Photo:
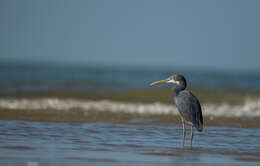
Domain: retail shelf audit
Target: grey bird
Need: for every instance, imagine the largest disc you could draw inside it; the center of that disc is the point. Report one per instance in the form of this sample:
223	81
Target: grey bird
187	104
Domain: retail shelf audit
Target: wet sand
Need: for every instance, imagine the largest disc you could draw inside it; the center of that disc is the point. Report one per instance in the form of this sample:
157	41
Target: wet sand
78	116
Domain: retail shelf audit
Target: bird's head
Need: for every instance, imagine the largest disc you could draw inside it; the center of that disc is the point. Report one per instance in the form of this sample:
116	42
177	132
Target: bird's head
175	79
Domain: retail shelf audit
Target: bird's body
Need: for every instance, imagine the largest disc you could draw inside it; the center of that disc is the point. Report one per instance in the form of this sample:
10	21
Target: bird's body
187	104
189	108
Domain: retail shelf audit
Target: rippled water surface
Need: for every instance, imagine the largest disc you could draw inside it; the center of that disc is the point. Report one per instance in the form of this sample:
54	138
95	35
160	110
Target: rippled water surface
42	143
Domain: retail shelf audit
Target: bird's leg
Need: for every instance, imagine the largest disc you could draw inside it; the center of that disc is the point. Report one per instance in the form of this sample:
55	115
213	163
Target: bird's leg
183	133
191	136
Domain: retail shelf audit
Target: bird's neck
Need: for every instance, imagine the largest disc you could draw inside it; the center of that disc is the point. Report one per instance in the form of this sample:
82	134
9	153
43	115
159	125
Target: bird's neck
177	89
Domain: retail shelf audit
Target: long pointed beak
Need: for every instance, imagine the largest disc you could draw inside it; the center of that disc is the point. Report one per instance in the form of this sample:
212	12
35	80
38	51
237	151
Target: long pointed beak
158	82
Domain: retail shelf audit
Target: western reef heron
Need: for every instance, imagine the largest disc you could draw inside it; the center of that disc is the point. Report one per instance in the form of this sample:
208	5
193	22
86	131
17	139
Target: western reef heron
187	104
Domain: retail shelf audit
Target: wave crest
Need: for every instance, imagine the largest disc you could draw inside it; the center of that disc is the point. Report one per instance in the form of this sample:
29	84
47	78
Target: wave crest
249	108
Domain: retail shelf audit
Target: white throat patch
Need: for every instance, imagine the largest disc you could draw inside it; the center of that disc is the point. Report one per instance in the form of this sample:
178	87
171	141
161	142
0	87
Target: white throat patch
173	81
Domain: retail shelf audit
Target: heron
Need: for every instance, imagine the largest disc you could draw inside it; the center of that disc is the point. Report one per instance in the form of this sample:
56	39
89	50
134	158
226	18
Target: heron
187	104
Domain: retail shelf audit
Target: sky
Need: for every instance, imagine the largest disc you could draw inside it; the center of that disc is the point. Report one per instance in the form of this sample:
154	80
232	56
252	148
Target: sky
221	34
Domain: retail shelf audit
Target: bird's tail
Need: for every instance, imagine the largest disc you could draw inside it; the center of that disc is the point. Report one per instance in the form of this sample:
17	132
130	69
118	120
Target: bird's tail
199	127
199	122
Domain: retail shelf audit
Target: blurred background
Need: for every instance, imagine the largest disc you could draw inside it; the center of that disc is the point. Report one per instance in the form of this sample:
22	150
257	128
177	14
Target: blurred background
102	46
89	65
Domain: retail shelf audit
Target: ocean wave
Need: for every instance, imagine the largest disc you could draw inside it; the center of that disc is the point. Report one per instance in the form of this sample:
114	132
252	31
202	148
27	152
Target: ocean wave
249	108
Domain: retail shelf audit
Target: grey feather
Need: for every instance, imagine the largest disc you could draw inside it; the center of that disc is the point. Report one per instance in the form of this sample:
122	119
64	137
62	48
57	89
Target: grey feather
189	108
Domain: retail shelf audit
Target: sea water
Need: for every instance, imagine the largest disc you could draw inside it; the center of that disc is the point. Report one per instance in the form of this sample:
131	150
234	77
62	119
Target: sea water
18	77
53	130
41	143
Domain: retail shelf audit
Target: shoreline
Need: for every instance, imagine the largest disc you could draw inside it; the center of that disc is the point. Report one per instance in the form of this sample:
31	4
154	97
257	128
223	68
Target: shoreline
78	117
146	96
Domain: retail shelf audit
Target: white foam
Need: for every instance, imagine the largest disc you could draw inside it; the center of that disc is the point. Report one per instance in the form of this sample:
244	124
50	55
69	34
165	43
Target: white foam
250	107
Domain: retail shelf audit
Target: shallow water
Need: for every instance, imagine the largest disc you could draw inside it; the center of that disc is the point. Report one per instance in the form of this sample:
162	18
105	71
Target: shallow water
41	143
